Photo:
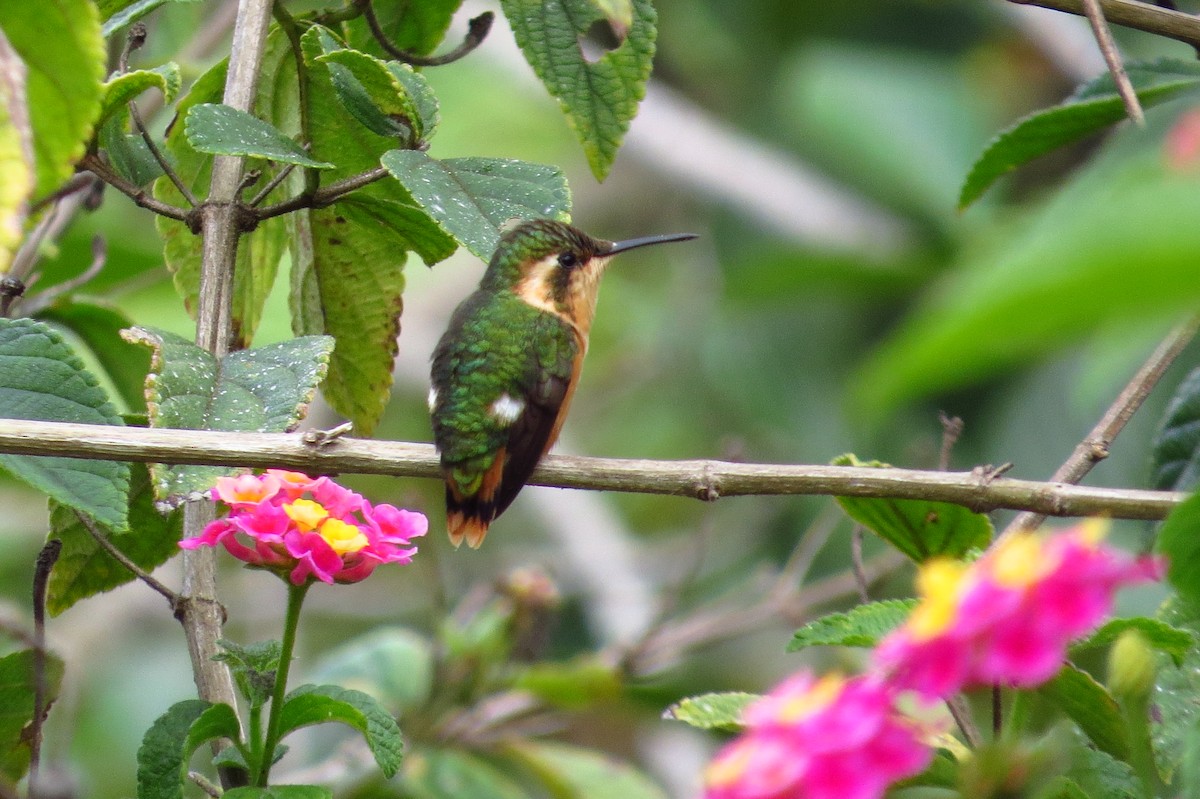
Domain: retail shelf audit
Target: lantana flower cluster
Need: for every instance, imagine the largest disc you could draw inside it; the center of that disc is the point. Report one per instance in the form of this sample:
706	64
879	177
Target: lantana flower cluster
308	528
831	738
1005	619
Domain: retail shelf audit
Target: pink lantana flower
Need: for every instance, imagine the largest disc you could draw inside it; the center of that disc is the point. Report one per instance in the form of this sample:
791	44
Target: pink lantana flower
831	738
308	528
1008	617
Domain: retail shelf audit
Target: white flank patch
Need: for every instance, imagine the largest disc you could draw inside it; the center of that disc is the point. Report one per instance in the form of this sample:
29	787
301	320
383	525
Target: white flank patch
432	400
506	410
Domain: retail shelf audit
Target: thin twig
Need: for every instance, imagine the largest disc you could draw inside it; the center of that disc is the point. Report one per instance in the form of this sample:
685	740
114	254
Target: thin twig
952	428
48	297
272	184
477	31
671	641
78	182
41	577
699	479
134	41
322	196
1095	446
161	159
138	194
120	557
856	563
1133	14
13	629
960	711
1112	57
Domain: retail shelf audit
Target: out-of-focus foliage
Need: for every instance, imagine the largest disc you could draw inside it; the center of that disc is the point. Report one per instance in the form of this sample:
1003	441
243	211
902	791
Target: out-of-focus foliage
1022	314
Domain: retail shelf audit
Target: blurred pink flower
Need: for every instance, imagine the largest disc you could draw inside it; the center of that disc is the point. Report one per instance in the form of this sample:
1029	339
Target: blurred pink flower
309	528
831	738
1008	617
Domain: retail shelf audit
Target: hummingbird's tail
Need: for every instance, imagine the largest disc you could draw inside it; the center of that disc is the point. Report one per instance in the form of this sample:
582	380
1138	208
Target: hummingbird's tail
462	527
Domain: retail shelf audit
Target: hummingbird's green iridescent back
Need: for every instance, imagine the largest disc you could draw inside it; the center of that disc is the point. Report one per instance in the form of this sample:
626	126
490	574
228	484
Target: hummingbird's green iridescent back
507	348
505	370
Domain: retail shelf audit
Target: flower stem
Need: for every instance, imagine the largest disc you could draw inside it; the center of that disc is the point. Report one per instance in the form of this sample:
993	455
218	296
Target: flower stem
291	622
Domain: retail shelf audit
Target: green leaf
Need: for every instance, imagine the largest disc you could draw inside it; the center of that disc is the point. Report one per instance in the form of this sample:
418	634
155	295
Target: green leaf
16	153
1061	787
1176	452
121	89
280	792
721	711
18	685
415	26
373	94
585	774
347	260
1052	278
127	152
471	198
1094	107
1089	705
423	98
578	683
259	251
98	326
42	379
393	664
119	13
599	97
264	390
919	528
221	130
864	625
63	89
317	704
1173	641
1175	710
1179	540
1102	776
85	569
455	774
172	739
253	666
347	281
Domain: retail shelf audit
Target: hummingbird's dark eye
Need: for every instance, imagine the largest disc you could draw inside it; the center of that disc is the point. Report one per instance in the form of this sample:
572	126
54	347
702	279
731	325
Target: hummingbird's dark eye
568	259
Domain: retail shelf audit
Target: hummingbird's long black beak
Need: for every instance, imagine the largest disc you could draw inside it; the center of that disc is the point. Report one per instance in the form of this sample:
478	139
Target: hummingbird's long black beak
631	244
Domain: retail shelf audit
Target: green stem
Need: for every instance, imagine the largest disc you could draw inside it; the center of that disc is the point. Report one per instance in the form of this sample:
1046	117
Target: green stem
1017	718
290	29
255	739
291	622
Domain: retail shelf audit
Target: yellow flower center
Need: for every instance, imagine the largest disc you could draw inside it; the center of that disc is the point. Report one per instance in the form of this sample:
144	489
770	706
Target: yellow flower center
939	582
729	768
1018	561
1093	531
344	538
817	698
307	514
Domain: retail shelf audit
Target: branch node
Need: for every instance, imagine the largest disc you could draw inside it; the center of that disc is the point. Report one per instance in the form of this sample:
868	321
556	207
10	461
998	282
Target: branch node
182	603
1098	449
323	438
707	488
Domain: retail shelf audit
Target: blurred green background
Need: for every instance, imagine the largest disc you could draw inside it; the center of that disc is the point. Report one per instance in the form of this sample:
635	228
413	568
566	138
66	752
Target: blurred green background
835	302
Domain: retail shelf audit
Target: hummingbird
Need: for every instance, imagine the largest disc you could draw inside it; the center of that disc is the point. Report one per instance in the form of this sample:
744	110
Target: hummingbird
507	366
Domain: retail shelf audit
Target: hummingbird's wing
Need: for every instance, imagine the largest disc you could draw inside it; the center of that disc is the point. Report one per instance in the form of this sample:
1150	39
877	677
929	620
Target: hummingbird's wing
550	381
